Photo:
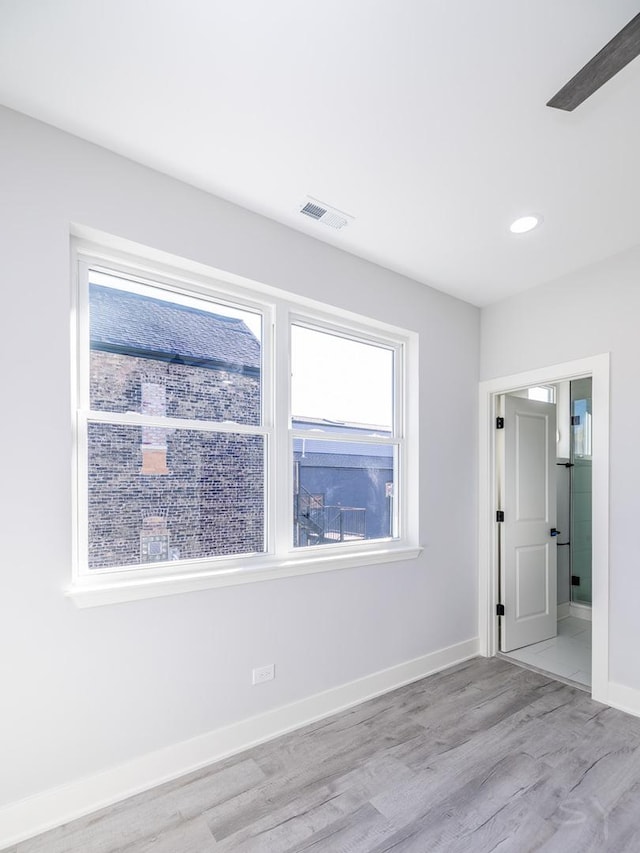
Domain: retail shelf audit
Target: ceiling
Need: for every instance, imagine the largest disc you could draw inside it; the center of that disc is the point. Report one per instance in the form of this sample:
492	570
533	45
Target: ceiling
423	119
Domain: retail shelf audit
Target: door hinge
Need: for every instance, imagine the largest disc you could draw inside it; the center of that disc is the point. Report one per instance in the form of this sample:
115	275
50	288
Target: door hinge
500	515
575	420
499	609
499	423
575	580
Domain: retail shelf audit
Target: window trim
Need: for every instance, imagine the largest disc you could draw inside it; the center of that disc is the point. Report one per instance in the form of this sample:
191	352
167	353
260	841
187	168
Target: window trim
90	587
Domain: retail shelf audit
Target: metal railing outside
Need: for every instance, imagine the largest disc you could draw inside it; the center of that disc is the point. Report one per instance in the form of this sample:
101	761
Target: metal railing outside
333	523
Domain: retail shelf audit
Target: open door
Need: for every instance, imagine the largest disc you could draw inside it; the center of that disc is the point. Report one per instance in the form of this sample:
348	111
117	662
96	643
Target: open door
528	557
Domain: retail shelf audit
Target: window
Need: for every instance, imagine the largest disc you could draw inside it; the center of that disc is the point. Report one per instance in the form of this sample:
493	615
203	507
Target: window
157	357
345	448
226	434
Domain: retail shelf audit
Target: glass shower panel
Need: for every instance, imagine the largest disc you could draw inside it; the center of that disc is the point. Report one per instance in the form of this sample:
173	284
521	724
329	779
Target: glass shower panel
581	491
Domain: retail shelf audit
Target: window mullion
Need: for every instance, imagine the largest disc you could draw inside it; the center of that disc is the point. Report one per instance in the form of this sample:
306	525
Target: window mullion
283	489
269	420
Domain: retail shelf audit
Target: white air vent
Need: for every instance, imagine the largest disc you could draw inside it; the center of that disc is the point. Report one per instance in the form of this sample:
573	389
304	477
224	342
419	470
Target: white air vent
323	213
313	210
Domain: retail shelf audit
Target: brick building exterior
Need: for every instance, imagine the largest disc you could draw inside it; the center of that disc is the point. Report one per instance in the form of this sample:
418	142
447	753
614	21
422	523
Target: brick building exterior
160	494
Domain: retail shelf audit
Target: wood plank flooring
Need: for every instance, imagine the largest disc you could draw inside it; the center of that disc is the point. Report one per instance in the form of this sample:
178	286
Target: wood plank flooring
483	757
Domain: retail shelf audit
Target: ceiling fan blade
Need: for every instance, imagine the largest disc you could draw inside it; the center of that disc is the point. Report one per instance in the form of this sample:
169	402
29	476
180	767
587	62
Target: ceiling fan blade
612	58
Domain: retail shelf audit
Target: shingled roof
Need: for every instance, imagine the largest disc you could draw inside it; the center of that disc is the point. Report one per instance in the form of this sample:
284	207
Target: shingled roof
139	325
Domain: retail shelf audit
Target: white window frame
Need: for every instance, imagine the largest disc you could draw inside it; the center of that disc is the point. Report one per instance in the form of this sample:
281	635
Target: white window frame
280	310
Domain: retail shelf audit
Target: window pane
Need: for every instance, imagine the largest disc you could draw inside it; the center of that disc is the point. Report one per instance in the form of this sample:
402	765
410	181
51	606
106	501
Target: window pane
543	393
158	494
159	354
337	380
581	418
344	491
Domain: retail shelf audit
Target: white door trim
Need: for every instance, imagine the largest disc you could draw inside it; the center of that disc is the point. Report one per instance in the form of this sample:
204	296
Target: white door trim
597	367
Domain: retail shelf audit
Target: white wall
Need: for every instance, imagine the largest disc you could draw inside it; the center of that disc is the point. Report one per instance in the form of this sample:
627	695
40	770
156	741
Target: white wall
589	312
83	690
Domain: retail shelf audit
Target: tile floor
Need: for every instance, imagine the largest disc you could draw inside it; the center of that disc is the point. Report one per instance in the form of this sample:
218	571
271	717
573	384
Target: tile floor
567	655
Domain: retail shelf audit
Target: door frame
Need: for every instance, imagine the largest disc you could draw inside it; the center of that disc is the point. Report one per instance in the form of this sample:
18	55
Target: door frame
597	367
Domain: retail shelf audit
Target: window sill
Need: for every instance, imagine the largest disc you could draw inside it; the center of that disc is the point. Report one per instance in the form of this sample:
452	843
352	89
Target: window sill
98	591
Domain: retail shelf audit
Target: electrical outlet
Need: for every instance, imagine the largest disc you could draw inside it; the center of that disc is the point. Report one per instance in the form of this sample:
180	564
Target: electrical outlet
263	673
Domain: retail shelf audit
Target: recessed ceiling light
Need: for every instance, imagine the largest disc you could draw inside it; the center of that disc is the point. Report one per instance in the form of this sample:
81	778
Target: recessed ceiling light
524	224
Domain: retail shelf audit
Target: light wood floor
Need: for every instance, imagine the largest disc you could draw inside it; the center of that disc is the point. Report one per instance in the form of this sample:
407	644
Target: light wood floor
483	757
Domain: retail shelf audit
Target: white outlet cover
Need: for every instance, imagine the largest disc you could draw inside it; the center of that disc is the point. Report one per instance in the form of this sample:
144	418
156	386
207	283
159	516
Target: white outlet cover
263	673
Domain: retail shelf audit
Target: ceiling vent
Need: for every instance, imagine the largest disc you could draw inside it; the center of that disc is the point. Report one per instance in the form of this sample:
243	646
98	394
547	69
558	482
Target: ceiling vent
321	212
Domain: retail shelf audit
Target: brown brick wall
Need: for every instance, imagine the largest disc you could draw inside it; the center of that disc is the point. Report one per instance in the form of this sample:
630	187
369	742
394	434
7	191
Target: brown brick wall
208	487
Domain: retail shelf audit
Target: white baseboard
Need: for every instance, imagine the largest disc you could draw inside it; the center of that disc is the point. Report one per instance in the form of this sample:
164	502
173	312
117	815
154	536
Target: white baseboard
624	698
29	817
570	608
580	611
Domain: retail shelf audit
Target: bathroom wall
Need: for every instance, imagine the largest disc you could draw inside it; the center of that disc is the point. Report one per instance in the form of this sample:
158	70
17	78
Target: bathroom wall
581	493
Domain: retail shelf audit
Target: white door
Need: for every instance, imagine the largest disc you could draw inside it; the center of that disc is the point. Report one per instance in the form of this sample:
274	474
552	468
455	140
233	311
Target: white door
528	540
